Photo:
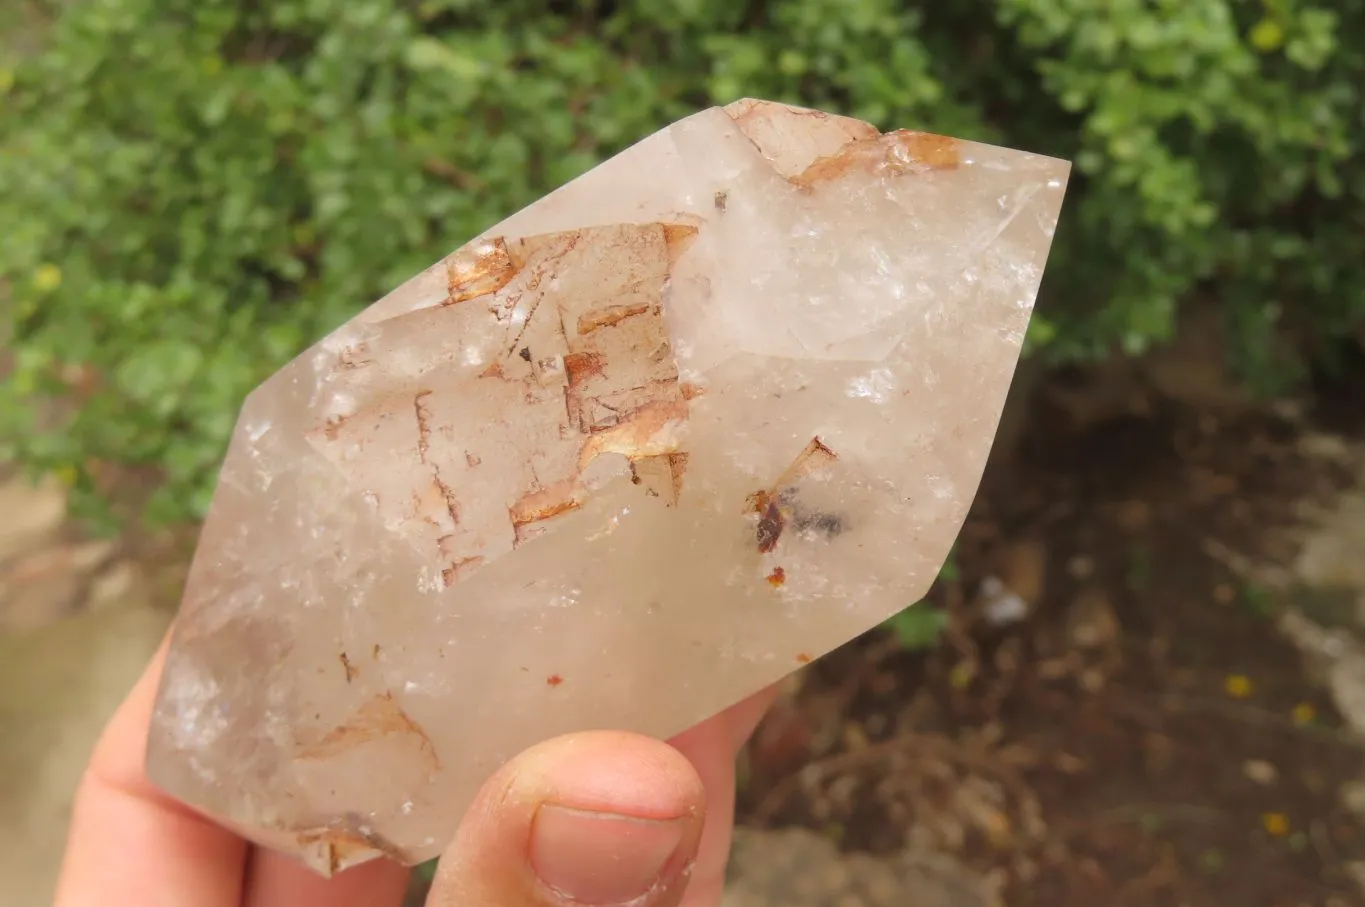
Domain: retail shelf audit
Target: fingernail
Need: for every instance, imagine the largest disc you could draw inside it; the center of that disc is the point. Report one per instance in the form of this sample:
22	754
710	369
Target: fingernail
597	858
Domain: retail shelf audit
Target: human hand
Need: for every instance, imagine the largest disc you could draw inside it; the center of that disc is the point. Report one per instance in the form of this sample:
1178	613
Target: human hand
599	818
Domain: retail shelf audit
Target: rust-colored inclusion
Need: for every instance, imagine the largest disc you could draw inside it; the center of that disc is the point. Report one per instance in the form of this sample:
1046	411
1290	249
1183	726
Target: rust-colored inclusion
621	365
342	849
661	476
484	269
774	505
791	138
586	368
378	717
895	153
543	504
621	389
347	843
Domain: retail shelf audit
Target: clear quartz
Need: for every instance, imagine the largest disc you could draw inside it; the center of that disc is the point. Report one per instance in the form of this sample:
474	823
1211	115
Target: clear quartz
648	445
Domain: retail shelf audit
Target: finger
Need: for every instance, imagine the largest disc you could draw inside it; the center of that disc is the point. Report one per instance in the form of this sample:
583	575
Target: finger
710	747
599	818
274	880
131	844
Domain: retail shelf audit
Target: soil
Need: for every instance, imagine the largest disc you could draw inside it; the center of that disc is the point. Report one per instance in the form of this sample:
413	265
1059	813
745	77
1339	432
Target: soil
1144	734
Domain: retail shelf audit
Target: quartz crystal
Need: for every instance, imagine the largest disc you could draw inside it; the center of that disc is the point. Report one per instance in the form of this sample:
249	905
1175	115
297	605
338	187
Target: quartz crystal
677	428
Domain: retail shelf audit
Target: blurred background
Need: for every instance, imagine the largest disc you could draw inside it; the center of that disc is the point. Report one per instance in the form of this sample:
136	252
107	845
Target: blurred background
1141	677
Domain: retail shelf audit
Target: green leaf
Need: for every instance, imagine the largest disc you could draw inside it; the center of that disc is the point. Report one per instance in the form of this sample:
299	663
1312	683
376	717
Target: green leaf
918	627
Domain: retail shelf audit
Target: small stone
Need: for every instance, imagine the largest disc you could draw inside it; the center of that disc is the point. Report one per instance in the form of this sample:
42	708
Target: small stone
89	555
1259	771
1324	447
1000	604
581	447
113	585
1091	620
1080	567
1353	796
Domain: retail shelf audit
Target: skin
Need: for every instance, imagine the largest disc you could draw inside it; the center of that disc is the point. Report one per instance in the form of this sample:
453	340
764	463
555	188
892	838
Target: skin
581	819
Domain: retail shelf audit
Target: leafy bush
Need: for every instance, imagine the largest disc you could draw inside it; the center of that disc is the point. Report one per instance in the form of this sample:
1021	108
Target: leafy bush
191	190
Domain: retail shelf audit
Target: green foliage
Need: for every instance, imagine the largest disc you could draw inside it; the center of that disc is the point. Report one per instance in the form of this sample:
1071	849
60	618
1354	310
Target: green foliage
426	871
192	190
918	627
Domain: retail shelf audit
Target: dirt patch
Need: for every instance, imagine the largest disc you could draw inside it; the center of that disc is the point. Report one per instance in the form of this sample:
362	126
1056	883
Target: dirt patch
1132	729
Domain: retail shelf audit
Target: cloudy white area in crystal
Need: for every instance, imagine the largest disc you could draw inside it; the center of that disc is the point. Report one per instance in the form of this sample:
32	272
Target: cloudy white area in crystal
681	426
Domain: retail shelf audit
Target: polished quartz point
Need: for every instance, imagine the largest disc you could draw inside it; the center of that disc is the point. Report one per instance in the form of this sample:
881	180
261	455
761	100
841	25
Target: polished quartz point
679	427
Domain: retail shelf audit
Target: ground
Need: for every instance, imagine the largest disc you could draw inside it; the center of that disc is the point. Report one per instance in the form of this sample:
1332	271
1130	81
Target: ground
1117	712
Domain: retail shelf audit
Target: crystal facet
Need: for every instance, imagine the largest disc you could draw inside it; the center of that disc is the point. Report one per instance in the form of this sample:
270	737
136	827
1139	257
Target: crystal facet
648	445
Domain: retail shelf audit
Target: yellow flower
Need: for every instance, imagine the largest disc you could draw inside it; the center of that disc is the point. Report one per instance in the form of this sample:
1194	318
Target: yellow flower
1304	713
962	675
1267	36
1238	686
47	278
1275	824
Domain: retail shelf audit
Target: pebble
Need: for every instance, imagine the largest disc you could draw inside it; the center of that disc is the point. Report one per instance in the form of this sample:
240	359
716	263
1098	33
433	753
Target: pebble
1353	796
113	585
1260	771
1091	620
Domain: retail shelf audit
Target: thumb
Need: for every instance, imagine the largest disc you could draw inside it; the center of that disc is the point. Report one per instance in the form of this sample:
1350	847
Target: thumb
601	818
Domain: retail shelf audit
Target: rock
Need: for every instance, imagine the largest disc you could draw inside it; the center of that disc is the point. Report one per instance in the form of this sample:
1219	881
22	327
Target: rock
1259	771
87	556
1080	567
1324	447
1353	796
1009	596
1331	567
113	585
1000	605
